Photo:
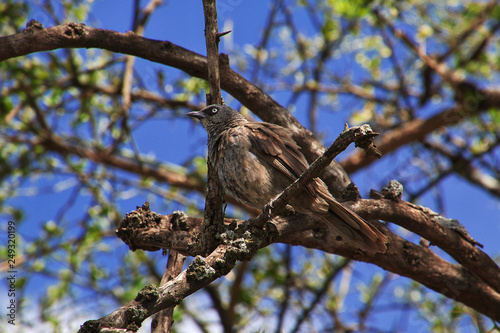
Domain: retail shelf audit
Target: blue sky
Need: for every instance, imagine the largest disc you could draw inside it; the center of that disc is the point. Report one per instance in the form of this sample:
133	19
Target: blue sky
182	23
474	208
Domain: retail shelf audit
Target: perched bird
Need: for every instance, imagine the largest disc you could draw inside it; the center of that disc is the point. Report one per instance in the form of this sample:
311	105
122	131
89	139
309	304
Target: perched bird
255	161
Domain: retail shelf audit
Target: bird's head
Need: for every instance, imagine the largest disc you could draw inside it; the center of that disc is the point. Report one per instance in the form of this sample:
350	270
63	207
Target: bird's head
216	118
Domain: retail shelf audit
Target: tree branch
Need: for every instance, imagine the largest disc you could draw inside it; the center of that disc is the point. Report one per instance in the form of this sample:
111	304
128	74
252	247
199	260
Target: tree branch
471	287
163	320
429	225
471	99
235	246
212	42
214	213
73	35
479	101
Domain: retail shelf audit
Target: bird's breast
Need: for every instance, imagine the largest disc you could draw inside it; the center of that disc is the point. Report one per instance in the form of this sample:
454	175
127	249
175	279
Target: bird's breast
242	174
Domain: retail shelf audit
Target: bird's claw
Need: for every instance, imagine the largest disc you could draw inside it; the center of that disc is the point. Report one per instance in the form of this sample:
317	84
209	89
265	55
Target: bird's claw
268	210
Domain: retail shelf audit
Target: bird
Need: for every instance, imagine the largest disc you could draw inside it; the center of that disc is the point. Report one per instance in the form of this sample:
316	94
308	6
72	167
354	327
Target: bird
256	161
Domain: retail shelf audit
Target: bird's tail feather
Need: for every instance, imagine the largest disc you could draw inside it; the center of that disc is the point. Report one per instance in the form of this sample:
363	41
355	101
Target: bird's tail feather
354	228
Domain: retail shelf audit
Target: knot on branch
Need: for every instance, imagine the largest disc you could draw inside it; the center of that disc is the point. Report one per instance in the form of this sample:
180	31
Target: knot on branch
392	191
179	221
363	138
224	62
32	26
350	193
75	30
136	221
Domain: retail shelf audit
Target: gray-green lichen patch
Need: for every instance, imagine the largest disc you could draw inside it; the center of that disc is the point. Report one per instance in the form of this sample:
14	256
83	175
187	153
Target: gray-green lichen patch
241	244
200	270
148	293
136	317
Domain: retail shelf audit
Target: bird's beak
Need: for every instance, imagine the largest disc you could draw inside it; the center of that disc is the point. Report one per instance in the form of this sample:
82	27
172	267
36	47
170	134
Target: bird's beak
197	114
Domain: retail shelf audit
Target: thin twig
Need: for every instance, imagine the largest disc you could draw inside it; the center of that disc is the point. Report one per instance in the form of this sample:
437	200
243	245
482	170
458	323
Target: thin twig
212	41
214	214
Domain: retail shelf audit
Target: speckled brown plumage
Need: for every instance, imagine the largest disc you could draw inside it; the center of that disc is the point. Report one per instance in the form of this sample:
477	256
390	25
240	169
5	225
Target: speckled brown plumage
255	161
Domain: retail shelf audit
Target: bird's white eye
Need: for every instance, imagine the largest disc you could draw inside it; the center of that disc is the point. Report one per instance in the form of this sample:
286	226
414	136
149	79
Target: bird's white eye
214	110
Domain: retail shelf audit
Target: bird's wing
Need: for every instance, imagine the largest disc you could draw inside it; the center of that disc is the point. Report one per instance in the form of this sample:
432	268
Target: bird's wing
274	145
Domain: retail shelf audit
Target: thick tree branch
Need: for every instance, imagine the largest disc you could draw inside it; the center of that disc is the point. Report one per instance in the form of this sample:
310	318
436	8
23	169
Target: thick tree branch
429	225
479	101
474	289
475	283
73	35
151	300
234	246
